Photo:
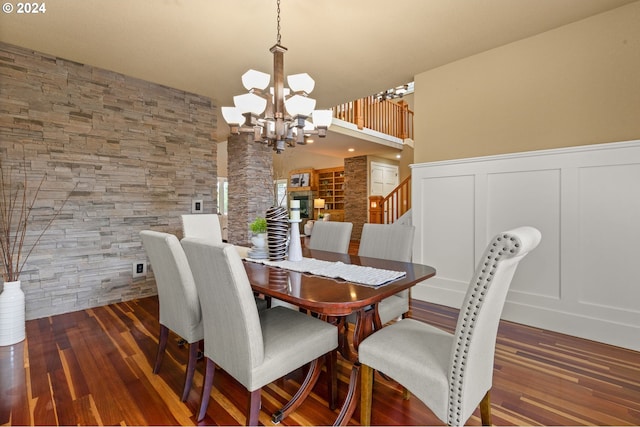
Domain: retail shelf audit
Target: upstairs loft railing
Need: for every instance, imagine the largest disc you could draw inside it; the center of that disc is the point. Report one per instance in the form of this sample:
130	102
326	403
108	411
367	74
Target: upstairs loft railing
386	210
391	118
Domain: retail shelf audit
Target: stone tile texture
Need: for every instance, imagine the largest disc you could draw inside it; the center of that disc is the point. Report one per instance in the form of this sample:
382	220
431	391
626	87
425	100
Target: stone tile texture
134	154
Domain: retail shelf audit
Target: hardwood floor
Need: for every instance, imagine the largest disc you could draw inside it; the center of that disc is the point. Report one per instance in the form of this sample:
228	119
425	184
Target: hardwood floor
93	367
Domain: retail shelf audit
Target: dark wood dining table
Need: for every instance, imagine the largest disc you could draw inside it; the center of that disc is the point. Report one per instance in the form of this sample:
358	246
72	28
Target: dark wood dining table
334	299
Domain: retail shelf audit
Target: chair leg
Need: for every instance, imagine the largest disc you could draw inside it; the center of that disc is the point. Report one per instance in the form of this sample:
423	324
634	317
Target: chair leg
366	394
332	377
191	369
485	410
206	388
253	412
162	345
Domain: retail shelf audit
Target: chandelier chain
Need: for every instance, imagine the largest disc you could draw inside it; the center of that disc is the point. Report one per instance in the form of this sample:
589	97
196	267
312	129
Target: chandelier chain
278	38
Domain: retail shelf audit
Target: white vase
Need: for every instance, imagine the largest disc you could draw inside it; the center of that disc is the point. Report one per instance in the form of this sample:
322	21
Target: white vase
12	320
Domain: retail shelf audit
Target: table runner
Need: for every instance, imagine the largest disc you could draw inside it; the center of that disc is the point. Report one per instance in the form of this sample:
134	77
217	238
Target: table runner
359	274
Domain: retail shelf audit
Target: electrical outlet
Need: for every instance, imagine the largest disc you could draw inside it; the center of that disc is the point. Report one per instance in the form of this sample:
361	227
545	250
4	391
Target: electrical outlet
139	269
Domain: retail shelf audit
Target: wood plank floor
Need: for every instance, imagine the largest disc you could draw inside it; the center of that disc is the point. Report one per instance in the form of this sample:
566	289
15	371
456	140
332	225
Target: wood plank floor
93	367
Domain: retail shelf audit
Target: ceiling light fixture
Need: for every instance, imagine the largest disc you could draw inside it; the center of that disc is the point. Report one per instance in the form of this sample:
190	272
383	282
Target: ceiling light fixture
396	92
278	117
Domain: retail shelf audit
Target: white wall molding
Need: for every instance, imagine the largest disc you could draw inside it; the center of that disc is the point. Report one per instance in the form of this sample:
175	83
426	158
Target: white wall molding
583	278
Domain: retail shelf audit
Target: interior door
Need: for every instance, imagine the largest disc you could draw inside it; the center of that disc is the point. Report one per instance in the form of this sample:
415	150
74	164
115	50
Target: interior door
384	178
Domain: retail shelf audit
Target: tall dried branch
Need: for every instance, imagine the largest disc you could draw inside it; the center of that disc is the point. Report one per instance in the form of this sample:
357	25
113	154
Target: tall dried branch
13	231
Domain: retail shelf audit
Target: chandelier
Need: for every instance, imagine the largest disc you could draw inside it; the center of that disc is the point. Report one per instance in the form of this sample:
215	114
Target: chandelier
280	116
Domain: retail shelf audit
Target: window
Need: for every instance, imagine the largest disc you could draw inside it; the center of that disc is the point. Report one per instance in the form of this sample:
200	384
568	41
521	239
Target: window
281	192
223	196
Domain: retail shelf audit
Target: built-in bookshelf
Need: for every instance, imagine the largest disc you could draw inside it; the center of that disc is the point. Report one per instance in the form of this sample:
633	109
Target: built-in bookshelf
331	189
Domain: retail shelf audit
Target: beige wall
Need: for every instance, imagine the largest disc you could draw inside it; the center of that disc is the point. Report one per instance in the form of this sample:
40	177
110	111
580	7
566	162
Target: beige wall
290	159
575	85
299	158
406	159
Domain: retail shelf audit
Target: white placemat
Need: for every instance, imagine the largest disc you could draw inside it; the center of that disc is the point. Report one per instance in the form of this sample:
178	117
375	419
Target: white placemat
360	274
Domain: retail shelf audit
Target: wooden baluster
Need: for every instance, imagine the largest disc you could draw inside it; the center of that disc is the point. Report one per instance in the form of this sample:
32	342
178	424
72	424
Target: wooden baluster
388	117
359	118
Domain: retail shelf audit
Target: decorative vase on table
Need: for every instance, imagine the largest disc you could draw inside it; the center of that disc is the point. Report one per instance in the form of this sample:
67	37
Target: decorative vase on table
295	250
12	317
277	232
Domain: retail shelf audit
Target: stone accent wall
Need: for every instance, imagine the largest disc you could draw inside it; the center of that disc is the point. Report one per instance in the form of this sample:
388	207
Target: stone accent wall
250	176
137	153
356	194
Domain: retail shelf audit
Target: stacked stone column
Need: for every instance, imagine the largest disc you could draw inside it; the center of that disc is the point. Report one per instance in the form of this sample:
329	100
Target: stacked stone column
250	176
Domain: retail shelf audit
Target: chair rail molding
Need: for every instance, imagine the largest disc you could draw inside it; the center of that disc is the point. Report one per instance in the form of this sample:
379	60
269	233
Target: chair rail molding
583	278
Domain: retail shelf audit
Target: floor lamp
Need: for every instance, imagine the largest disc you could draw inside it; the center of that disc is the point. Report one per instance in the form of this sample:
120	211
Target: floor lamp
318	204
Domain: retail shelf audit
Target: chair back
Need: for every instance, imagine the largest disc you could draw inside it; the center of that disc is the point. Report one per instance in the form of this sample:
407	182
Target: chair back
233	335
331	236
206	226
387	241
177	293
471	367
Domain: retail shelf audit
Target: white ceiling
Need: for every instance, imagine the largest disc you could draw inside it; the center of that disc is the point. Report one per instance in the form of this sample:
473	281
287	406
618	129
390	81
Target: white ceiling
352	48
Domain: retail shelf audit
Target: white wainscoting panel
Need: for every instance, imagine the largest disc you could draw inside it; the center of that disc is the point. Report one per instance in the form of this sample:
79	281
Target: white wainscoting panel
584	277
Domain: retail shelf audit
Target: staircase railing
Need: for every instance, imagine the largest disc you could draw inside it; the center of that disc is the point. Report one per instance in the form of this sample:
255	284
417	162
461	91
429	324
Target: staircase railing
386	210
391	118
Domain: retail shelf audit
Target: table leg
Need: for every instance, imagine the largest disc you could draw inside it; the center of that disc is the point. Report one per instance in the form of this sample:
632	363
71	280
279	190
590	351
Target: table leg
351	400
303	392
367	321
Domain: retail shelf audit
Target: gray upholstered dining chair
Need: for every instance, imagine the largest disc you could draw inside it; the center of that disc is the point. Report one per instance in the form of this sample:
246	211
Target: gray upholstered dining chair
202	225
178	298
450	373
253	347
207	226
393	242
331	236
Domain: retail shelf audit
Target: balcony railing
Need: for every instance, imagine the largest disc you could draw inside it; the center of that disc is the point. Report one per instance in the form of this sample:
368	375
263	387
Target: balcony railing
391	118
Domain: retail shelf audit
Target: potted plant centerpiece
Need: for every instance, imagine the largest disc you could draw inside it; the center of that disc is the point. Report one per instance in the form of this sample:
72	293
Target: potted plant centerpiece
259	229
17	202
